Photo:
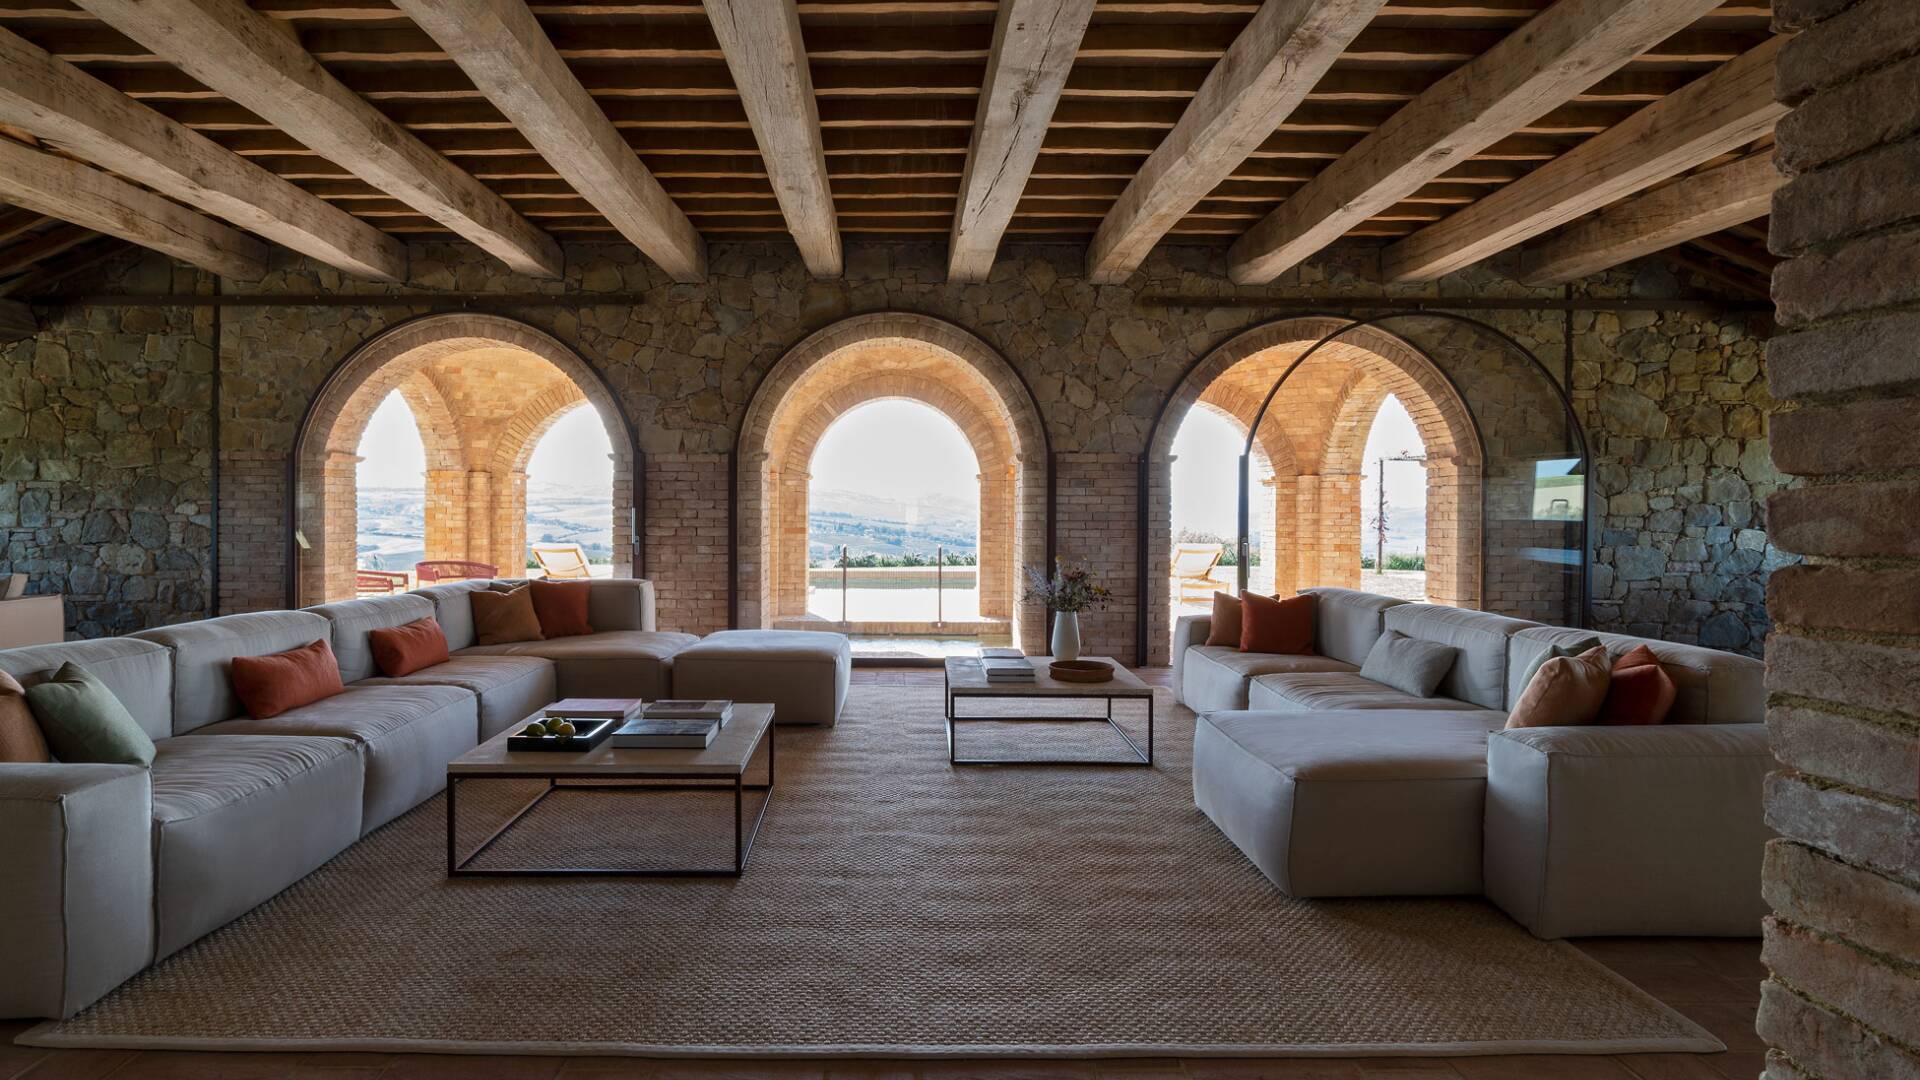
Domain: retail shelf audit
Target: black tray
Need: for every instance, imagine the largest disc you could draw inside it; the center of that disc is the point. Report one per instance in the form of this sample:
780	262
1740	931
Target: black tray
587	734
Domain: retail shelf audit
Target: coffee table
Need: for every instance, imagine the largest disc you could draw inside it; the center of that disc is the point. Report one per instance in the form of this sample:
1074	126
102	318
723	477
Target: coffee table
966	678
720	765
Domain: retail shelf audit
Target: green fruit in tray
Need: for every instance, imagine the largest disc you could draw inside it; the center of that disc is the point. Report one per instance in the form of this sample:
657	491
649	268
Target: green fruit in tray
534	730
563	728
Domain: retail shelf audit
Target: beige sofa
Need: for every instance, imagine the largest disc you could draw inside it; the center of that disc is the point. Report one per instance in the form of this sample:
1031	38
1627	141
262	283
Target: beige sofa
111	868
1333	785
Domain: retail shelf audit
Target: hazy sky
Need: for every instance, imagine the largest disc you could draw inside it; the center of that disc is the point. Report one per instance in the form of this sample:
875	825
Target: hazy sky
1206	475
573	452
899	448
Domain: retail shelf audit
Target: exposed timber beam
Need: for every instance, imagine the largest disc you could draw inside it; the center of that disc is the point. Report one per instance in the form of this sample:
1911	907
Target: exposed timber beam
1264	75
254	61
1034	42
64	106
40	247
1559	53
764	50
507	55
1697	206
68	190
1718	113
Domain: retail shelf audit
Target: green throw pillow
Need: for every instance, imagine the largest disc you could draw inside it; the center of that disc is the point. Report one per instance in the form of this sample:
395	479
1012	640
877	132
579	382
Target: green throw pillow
1556	651
85	723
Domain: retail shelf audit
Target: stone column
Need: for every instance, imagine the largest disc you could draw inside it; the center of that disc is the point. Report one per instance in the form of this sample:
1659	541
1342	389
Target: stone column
1843	664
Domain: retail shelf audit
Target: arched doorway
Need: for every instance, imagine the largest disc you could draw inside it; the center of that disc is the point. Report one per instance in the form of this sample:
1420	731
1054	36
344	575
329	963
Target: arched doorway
483	390
874	357
1312	438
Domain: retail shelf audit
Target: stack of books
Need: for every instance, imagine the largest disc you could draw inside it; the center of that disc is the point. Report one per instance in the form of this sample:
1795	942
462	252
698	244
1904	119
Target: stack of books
1006	665
575	708
674	724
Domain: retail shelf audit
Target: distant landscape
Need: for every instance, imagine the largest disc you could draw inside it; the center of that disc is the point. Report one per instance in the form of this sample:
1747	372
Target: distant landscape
393	523
889	526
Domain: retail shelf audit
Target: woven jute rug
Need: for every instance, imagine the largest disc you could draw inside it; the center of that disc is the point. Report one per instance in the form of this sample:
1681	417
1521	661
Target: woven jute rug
894	906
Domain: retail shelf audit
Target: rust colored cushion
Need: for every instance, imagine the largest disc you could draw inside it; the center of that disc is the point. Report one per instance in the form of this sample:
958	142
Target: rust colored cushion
1641	691
20	738
561	607
1225	629
503	617
1567	690
403	650
273	684
1271	625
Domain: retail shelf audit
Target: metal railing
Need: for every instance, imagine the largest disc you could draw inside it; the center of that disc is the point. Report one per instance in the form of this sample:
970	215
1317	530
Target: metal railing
939	585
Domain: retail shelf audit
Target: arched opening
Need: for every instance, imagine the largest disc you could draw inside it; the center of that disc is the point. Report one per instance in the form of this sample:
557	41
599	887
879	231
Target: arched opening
1393	505
890	357
390	490
570	487
893	519
1309	454
1205	510
483	390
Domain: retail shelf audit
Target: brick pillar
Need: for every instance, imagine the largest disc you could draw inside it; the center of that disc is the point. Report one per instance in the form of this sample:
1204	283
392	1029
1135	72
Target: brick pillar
996	543
479	536
1339	527
1843	664
446	514
510	520
338	558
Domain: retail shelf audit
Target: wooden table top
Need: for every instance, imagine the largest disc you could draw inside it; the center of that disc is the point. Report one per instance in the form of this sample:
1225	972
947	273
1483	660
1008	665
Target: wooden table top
965	676
726	756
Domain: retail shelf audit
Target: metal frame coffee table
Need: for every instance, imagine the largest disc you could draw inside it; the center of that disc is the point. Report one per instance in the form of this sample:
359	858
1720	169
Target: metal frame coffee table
720	766
966	678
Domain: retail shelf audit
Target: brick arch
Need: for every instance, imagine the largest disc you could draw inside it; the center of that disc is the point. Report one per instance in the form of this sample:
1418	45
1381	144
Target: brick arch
1315	434
874	357
455	372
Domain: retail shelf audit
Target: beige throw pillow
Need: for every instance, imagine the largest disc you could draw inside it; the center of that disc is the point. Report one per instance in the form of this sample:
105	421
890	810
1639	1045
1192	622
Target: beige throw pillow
1567	690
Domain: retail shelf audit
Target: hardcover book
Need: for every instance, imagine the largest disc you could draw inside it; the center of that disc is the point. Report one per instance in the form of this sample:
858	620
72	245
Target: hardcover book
665	734
595	708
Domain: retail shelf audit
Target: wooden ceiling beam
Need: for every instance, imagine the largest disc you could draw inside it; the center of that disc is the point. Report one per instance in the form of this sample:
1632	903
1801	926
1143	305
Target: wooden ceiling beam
92	199
1525	75
62	105
1034	43
379	10
43	246
46	275
504	51
1688	209
1264	76
18	222
1739	252
768	57
1753	286
1721	112
252	60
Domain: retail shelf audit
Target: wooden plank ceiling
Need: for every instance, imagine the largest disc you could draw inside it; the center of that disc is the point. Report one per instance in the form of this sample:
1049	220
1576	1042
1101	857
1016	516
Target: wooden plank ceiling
896	85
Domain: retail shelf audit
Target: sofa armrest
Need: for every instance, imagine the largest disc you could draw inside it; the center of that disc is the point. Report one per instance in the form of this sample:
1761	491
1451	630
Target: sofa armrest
76	917
1628	830
621	604
1188	631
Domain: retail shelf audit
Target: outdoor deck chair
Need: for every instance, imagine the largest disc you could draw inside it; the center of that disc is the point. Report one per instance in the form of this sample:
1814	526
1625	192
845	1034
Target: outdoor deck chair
379	582
1193	568
561	562
452	570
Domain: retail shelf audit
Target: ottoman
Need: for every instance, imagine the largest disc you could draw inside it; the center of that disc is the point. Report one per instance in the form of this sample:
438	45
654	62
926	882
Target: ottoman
1363	802
803	673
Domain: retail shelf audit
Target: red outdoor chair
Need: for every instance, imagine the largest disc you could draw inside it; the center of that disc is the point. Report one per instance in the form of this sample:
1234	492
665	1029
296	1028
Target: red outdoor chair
379	582
452	570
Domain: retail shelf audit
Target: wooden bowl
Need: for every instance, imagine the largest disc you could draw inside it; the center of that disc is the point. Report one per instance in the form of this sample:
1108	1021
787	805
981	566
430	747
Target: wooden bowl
1087	671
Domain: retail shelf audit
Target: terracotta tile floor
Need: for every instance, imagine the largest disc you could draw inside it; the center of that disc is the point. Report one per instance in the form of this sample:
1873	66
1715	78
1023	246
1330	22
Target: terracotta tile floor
1715	982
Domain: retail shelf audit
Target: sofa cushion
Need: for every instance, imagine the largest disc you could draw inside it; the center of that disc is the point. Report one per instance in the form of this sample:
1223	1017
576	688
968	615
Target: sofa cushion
84	723
803	674
1710	686
504	616
1299	795
1566	691
353	622
1640	693
1479	674
1272	625
620	604
403	650
20	736
270	685
561	607
1322	691
453	609
407	735
1408	665
1346	622
606	663
509	688
1216	676
1225	627
140	674
203	652
236	819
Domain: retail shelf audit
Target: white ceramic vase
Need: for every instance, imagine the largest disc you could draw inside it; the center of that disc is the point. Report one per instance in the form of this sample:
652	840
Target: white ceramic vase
1066	635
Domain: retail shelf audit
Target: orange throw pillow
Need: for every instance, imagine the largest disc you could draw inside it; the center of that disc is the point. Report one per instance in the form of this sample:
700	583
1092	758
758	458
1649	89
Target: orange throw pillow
1271	625
500	618
1567	690
561	607
1226	621
273	684
20	738
1641	692
403	650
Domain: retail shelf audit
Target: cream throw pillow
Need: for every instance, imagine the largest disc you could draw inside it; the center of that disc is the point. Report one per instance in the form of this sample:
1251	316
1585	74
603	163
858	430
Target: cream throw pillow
1567	690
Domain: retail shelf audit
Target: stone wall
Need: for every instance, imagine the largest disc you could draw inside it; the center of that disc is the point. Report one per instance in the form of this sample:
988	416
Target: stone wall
684	361
1843	947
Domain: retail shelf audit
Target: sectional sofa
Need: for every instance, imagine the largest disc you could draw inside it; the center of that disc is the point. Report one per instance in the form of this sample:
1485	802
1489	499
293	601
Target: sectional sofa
110	868
1335	785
